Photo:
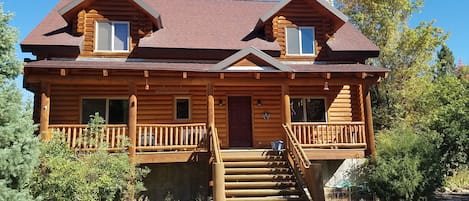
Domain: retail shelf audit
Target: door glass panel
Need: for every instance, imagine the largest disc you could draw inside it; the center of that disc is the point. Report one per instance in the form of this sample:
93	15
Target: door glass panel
296	109
118	112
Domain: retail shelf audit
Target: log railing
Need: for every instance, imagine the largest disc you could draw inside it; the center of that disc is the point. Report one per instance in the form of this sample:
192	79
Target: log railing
77	136
298	159
156	137
218	170
330	135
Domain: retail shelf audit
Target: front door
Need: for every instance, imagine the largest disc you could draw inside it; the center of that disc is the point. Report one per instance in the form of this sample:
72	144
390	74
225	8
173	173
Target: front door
240	121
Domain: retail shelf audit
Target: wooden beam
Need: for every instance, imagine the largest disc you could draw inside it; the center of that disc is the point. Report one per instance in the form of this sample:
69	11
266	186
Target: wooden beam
334	154
370	133
361	75
132	121
63	72
222	76
286	112
326	75
105	73
146	73
291	76
184	75
210	106
258	76
45	111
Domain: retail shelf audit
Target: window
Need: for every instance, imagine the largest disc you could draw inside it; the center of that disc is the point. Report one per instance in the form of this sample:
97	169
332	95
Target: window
182	107
300	40
308	110
114	111
112	36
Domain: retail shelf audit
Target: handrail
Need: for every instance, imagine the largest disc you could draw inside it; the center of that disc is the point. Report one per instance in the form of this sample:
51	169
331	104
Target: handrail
218	169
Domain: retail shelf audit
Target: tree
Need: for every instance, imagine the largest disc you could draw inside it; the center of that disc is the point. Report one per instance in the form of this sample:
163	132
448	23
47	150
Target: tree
445	63
67	174
18	145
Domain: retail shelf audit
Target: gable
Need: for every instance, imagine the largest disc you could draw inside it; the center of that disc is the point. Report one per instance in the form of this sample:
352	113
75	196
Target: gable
250	59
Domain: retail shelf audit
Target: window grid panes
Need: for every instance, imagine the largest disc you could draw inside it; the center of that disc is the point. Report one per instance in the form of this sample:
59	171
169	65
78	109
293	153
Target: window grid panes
300	41
308	110
112	36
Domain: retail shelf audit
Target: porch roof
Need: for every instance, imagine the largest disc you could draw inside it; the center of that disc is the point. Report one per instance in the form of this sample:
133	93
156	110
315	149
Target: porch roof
197	67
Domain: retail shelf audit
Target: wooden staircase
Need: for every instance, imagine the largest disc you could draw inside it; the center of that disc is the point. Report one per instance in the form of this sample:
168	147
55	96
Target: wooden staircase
260	175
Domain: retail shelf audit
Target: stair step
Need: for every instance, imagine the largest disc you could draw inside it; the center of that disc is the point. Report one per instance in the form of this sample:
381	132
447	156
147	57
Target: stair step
260	192
256	164
256	170
260	184
257	177
233	158
264	199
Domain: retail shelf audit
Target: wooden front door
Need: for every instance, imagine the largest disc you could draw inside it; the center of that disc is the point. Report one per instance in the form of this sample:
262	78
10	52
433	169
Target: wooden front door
240	121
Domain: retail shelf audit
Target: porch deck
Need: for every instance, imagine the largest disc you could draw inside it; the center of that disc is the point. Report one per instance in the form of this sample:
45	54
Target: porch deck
165	143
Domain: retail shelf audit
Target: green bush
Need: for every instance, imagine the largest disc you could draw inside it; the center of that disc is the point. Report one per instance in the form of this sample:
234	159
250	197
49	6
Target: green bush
67	174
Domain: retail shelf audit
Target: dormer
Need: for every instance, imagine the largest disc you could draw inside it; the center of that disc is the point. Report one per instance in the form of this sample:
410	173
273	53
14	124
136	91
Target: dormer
305	28
110	28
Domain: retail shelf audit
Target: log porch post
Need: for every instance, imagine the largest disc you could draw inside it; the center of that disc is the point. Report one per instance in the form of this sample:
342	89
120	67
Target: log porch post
286	105
132	121
45	111
210	107
370	133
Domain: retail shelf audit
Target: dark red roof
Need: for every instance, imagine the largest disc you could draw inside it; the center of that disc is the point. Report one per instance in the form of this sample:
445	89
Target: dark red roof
196	67
348	38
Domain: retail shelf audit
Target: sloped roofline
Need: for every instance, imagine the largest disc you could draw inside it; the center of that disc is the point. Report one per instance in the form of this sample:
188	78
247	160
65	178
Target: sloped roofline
222	65
156	16
284	3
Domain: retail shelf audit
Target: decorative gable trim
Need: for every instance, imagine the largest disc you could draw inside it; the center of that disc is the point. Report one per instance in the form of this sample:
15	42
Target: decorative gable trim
226	63
156	18
284	3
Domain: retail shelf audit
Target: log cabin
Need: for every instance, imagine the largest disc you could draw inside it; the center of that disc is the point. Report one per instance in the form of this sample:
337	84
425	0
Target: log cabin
203	89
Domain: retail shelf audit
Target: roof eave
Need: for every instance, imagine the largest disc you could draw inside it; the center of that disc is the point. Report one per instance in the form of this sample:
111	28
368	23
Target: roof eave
284	3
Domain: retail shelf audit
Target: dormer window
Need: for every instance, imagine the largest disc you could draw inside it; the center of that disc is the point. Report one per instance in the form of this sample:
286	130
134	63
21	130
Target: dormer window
300	41
112	36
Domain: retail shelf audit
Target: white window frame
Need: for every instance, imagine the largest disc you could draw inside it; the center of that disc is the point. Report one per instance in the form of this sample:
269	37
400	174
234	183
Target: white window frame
96	37
106	116
300	40
304	107
189	107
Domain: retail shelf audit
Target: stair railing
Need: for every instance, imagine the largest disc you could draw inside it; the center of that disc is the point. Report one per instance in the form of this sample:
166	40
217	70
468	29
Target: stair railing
218	167
306	175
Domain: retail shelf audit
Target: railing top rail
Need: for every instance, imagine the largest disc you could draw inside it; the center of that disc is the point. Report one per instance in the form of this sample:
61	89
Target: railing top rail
328	123
85	125
216	145
172	125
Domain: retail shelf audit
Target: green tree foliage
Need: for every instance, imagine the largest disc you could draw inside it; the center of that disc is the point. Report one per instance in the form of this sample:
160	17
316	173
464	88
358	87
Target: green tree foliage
67	174
445	63
18	146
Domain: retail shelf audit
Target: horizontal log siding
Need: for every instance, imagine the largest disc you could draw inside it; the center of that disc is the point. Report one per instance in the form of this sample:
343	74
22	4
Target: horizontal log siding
299	13
115	10
342	101
264	131
154	106
157	104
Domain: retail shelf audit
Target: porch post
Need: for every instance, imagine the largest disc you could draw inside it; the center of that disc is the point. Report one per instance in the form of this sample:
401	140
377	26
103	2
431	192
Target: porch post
286	105
132	121
45	111
370	133
210	107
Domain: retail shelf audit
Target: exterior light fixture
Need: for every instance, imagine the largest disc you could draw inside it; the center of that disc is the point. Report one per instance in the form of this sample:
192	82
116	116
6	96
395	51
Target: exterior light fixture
259	102
326	86
220	102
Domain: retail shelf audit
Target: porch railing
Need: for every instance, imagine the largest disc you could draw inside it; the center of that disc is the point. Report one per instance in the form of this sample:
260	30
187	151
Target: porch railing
75	136
330	135
150	137
155	137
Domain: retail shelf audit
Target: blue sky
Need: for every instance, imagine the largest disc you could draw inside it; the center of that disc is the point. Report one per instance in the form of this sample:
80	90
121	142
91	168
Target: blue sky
447	15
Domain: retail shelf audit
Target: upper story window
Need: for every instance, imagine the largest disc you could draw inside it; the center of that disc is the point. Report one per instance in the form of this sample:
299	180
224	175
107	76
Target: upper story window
300	41
308	109
112	36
